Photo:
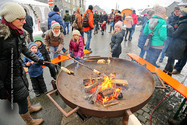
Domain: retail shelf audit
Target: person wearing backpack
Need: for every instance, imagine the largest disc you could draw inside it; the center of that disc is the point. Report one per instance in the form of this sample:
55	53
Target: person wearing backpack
88	24
66	19
157	26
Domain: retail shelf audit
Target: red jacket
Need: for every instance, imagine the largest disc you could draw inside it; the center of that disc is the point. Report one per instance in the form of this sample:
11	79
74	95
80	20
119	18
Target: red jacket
90	20
103	26
135	18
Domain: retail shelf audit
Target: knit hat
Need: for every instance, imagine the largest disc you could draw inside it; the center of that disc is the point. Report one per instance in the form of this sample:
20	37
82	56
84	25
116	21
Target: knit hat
76	32
38	38
56	9
54	24
160	11
134	11
11	11
31	44
150	13
90	7
184	12
119	24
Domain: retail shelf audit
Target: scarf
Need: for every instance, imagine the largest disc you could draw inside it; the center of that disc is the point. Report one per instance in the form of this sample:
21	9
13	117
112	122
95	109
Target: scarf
15	29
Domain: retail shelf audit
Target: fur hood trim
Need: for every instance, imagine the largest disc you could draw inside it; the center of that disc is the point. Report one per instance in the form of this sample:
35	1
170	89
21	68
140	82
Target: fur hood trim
5	32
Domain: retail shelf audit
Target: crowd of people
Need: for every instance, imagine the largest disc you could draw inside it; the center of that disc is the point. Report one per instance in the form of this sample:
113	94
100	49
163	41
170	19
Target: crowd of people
158	35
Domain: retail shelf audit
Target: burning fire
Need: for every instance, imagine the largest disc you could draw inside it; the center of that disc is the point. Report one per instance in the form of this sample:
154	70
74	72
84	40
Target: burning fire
107	92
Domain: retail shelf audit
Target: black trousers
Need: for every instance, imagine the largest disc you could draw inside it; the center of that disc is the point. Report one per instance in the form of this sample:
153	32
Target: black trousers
38	84
23	106
52	69
170	64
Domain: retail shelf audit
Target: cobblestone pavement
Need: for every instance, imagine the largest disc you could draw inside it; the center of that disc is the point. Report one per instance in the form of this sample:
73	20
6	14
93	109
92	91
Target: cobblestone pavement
100	46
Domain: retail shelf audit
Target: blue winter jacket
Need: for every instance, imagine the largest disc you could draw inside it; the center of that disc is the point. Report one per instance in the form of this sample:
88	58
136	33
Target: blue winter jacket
142	39
54	16
34	70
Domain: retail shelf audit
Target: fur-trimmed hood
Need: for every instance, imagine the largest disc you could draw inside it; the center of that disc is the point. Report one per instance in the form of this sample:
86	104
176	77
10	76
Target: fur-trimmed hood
5	32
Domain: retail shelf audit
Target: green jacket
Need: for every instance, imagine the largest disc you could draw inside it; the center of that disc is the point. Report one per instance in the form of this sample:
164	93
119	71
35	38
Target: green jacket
67	17
156	26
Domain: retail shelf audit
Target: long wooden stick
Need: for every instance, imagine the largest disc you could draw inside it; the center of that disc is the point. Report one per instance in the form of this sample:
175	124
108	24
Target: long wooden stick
94	70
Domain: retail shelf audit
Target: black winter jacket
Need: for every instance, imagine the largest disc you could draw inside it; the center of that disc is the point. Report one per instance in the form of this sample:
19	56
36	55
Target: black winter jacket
11	47
96	18
28	26
178	43
116	42
45	54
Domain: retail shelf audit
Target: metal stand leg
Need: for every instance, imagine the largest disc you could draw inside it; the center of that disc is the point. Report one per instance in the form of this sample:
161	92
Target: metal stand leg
180	107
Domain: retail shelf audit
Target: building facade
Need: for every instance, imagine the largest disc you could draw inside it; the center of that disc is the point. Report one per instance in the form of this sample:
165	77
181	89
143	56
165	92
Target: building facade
64	5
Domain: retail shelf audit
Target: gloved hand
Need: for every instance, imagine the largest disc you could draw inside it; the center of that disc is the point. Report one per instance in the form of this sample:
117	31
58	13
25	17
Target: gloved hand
40	62
58	51
71	54
77	58
4	94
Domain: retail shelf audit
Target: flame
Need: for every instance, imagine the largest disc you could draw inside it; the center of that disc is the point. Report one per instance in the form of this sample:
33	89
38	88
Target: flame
105	85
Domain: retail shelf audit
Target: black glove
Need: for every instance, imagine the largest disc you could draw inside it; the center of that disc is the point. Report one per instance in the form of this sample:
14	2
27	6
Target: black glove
4	94
40	62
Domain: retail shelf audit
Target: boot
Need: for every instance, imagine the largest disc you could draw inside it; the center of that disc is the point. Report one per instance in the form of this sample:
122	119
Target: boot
170	73
33	109
165	71
29	120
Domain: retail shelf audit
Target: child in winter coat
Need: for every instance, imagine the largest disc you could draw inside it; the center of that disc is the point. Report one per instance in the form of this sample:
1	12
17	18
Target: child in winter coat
76	45
129	24
42	48
103	27
35	71
116	39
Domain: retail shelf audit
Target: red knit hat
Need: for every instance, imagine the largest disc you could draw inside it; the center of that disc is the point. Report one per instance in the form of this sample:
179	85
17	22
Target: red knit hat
54	24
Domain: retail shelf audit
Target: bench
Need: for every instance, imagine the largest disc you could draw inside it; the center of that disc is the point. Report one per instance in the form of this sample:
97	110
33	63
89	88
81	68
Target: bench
57	60
179	87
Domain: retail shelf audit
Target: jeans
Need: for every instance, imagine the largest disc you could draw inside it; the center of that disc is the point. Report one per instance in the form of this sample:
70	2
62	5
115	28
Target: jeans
166	44
82	34
112	26
152	55
66	24
129	30
133	30
54	55
181	63
142	52
169	65
89	36
23	106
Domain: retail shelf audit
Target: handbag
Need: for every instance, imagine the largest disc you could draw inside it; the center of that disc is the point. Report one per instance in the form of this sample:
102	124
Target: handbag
148	42
74	25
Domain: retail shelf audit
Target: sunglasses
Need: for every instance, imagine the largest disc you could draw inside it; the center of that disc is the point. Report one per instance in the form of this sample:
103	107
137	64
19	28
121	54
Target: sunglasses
21	19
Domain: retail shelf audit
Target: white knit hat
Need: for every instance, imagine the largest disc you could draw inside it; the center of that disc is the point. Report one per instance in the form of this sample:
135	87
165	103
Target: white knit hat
119	24
159	11
76	32
11	11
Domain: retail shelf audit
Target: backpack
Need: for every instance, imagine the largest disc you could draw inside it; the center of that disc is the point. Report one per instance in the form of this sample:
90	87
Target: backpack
85	20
